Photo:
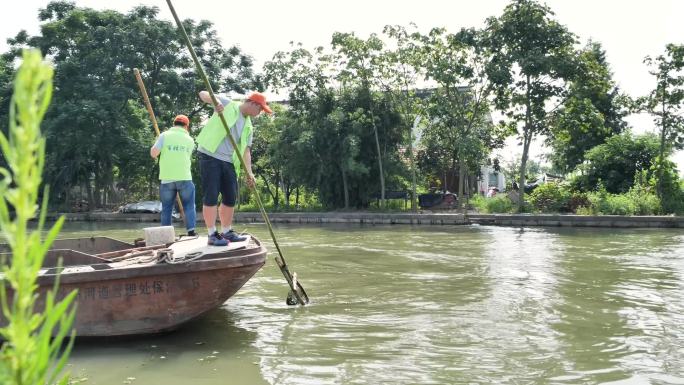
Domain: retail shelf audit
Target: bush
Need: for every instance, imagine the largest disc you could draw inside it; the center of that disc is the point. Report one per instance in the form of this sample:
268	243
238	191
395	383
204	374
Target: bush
638	200
645	201
551	198
496	204
673	190
577	201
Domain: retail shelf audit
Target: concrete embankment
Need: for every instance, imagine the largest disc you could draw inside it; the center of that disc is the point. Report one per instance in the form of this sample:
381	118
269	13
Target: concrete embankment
424	218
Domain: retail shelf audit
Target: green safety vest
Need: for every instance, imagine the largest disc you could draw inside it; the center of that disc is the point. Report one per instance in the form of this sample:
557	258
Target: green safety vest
176	154
213	132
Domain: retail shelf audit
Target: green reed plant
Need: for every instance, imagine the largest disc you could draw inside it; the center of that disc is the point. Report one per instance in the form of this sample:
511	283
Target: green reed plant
29	354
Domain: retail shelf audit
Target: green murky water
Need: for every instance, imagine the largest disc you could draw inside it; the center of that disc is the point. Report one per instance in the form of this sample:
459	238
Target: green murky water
427	305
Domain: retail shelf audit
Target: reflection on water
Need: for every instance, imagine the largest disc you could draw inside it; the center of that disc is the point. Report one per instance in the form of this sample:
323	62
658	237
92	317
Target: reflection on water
427	305
205	351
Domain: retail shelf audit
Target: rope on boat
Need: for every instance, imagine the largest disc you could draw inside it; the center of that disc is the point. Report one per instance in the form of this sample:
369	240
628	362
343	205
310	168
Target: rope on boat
166	256
159	256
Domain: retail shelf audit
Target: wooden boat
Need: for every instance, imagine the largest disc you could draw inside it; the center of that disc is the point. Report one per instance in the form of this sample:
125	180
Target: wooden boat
126	288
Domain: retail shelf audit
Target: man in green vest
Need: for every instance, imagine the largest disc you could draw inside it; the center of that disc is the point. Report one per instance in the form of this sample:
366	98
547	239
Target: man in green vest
174	147
220	166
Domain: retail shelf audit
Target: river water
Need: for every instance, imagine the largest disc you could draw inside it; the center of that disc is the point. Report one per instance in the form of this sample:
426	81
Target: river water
426	305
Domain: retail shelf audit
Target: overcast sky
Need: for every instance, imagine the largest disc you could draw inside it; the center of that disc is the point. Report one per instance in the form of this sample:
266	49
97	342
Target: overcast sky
628	30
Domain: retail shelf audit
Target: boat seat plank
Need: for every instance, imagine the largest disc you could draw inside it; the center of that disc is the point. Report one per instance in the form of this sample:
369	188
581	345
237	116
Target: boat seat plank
199	244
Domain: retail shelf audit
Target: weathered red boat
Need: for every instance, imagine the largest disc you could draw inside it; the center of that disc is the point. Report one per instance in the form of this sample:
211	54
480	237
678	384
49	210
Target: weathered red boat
126	288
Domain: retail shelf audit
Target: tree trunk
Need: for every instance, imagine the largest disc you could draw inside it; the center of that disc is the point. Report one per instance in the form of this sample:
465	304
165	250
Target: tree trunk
268	187
467	192
461	181
527	138
661	161
382	175
97	194
287	190
67	199
297	198
89	191
523	167
414	206
276	202
345	188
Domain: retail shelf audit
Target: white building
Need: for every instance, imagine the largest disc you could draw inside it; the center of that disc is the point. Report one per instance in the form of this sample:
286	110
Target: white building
490	178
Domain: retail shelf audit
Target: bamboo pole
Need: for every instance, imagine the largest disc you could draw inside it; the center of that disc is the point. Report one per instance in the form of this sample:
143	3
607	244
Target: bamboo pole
148	105
296	288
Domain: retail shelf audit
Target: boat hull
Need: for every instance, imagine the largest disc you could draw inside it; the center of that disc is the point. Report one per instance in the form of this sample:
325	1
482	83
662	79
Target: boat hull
116	299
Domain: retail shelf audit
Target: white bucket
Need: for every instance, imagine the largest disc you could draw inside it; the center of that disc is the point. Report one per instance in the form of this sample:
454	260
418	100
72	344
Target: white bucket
160	235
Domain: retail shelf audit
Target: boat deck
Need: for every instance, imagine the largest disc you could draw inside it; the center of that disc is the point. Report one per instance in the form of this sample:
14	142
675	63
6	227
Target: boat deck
199	245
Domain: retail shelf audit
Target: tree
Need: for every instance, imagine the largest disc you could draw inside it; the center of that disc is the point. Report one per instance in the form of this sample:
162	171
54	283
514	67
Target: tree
618	162
6	76
665	103
458	107
402	67
333	121
275	152
594	111
97	102
360	59
306	76
532	58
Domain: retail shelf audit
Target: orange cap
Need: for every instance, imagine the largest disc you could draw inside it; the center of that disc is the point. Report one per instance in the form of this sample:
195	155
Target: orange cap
182	119
260	99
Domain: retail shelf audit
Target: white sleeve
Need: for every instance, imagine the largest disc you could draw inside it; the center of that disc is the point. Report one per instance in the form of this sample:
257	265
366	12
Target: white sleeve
160	142
223	99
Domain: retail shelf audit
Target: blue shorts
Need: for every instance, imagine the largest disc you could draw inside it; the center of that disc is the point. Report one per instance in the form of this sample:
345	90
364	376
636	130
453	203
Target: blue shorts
218	176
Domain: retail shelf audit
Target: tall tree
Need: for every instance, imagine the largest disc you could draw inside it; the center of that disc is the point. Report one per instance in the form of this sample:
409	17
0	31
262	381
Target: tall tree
306	76
665	103
360	60
6	76
97	105
594	111
402	68
329	130
459	106
532	58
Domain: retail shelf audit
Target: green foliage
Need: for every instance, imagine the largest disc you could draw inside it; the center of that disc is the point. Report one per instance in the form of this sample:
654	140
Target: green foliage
326	141
460	133
99	124
665	103
638	200
532	58
496	204
30	355
594	111
6	76
617	163
534	170
402	69
672	188
551	198
358	62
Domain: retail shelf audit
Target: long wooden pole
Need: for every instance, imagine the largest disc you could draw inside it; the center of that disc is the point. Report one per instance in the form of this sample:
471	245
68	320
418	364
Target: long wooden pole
296	288
143	91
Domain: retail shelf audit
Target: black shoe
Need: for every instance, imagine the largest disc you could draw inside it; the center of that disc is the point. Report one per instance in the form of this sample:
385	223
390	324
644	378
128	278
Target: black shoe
216	240
232	236
192	233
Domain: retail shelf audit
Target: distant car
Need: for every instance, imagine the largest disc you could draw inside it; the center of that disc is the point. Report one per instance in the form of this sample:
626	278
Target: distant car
142	207
80	206
438	200
149	207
